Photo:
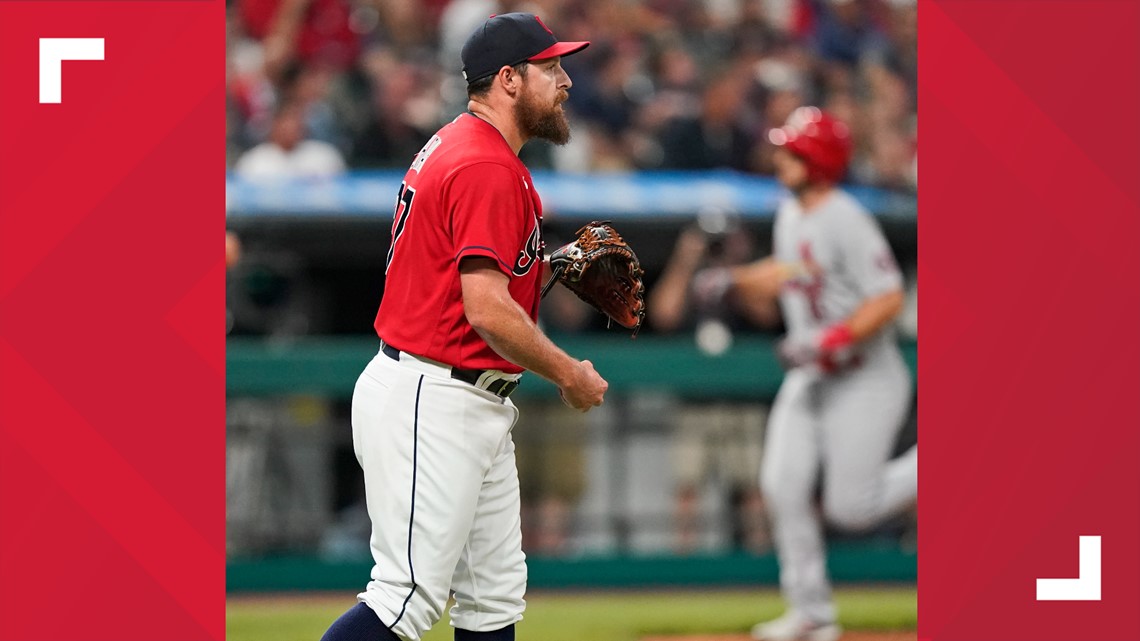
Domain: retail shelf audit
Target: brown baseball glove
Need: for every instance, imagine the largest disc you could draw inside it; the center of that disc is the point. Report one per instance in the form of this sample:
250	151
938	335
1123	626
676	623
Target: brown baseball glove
603	271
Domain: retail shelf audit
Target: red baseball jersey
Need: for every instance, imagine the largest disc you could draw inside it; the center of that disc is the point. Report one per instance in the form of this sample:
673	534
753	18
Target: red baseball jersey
466	194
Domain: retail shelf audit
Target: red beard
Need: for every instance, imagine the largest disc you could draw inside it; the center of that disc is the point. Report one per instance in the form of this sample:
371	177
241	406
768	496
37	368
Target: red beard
537	120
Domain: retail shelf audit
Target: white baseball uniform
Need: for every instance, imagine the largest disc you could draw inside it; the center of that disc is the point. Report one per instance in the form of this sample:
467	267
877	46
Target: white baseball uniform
841	424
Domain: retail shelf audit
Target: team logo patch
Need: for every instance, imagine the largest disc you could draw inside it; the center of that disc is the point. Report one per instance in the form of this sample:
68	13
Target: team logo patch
807	277
531	251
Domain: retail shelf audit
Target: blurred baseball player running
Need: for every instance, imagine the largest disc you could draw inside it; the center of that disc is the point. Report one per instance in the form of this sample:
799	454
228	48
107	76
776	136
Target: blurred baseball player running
847	389
431	417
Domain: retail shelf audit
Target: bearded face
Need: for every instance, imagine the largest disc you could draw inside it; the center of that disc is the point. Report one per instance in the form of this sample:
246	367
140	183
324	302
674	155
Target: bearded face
538	118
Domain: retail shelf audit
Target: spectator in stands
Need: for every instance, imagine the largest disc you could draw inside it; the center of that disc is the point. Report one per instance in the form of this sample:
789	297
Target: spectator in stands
713	441
716	135
889	162
846	31
305	31
233	255
406	110
317	91
610	97
782	88
288	154
901	57
233	249
674	96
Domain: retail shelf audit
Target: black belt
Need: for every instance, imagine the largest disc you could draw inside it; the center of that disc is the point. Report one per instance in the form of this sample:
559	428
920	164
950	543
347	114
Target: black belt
501	387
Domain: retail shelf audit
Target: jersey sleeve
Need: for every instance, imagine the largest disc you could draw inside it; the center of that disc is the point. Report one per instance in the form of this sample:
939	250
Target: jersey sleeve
487	210
869	258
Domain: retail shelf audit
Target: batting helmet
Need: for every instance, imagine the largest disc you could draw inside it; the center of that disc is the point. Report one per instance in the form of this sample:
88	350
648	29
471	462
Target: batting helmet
820	140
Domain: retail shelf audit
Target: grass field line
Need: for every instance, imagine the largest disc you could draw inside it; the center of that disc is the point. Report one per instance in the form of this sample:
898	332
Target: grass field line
594	616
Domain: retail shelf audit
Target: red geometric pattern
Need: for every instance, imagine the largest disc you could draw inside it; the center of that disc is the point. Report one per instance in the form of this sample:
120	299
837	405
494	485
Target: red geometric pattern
112	352
1030	355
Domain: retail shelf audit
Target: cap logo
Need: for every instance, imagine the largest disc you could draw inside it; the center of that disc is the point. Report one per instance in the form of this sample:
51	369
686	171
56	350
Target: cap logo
544	25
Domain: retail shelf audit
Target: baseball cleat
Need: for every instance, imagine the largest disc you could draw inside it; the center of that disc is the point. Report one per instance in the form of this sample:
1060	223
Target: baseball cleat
795	627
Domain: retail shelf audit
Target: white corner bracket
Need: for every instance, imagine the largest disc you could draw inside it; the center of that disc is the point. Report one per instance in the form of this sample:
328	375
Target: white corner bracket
1086	587
53	51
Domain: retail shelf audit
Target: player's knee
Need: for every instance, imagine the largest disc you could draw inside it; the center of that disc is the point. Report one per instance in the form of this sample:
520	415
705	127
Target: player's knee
782	495
848	514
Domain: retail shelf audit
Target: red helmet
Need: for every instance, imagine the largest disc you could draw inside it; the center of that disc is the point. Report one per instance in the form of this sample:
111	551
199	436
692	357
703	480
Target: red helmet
823	142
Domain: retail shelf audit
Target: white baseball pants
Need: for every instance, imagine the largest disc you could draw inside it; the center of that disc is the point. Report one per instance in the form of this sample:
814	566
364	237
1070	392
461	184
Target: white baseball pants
443	496
845	426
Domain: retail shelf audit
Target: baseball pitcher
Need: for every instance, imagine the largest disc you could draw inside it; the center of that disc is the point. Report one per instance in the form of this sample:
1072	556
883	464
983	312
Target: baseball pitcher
431	414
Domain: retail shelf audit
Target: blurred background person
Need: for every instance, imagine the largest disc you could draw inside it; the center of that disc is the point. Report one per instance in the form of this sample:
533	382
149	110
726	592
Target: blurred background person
718	134
233	249
288	153
846	394
713	441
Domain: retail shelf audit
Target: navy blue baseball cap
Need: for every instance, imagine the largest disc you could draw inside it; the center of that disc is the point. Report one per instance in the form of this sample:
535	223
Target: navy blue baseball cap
509	39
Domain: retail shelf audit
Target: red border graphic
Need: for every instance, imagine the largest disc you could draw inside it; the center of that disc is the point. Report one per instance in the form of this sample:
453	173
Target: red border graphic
112	348
1030	273
112	352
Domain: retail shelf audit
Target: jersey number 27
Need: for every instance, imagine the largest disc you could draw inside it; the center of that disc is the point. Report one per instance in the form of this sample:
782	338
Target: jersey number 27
400	218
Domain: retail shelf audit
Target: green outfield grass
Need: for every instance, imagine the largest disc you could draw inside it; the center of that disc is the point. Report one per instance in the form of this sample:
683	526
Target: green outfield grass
594	616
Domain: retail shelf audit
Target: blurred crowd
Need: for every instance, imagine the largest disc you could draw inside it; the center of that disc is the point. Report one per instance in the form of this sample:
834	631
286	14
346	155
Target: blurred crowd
315	87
